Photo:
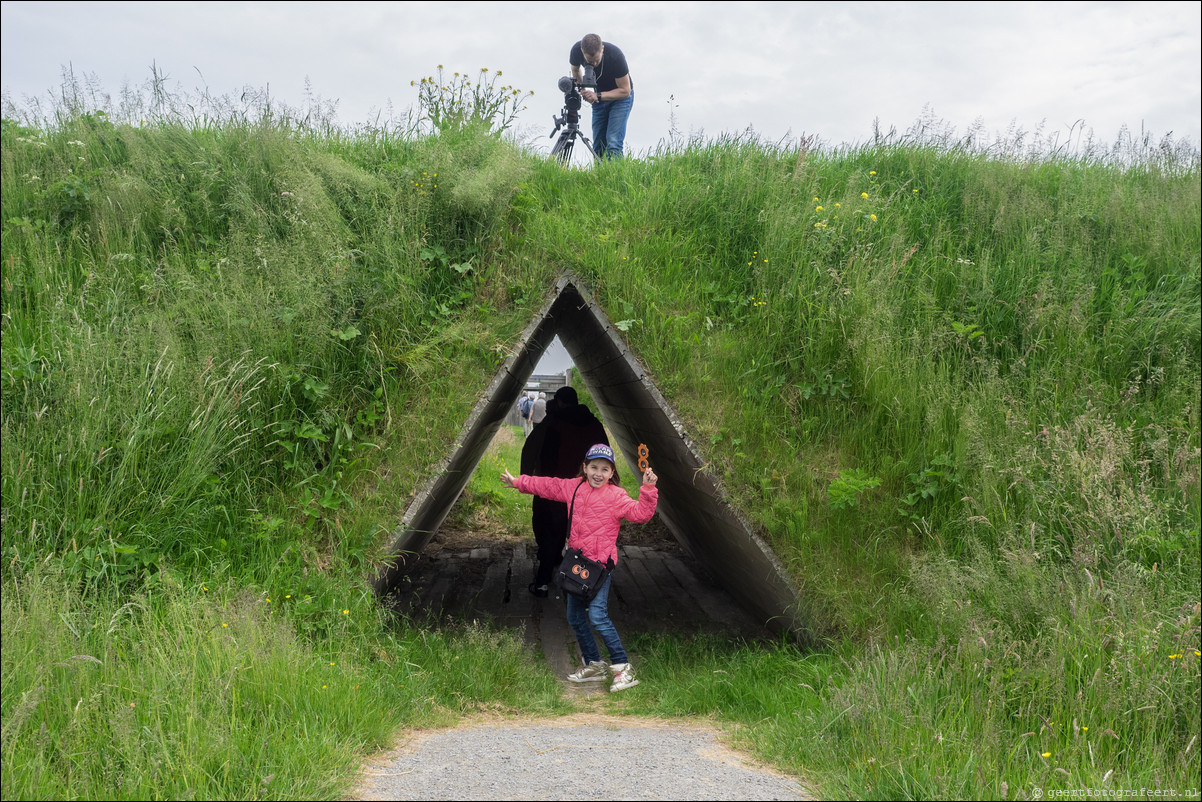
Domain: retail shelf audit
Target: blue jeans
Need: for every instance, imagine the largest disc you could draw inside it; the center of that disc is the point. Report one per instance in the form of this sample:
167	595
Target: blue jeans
609	126
596	613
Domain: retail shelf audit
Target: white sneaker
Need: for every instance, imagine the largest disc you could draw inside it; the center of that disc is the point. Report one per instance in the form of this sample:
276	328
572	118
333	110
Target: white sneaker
596	671
623	677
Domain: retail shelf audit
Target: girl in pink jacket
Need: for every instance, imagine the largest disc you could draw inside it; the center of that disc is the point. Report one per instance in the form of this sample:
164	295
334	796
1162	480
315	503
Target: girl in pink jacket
598	508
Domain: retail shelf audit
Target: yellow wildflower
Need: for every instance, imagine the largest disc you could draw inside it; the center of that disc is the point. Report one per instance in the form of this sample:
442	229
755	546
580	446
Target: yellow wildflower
872	172
818	209
864	195
873	216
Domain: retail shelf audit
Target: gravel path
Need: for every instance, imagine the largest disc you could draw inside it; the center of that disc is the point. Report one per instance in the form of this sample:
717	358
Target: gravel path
576	757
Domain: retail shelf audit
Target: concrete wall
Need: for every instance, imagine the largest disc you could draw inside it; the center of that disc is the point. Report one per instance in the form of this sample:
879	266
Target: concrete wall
692	503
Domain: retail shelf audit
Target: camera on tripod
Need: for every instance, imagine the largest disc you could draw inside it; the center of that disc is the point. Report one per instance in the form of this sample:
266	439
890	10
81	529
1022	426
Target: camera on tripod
571	89
570	116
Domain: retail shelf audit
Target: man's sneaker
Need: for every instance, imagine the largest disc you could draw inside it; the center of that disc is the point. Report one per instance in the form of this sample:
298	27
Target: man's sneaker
595	671
623	677
538	590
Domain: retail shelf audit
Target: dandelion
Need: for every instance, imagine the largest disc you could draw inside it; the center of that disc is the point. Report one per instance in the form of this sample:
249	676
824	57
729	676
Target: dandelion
864	195
323	687
1085	729
346	612
269	601
915	192
815	200
838	205
873	216
1174	656
872	172
289	596
818	209
224	625
1197	653
1047	754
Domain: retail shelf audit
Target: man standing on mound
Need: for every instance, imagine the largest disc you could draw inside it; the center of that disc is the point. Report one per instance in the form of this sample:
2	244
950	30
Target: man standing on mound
556	447
614	96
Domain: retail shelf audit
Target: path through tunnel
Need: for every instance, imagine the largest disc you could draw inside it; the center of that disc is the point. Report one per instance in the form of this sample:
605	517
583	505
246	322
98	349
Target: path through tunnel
692	507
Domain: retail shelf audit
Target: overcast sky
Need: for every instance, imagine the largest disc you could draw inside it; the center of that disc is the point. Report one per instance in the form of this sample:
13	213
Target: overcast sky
824	69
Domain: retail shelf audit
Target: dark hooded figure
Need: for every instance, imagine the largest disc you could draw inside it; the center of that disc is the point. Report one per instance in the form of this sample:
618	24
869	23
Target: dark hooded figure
556	447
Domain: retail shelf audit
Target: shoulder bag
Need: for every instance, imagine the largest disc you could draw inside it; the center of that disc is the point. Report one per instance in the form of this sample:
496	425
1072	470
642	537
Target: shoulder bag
577	574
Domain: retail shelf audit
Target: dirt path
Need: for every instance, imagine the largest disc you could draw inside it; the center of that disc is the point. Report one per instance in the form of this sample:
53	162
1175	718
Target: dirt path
582	756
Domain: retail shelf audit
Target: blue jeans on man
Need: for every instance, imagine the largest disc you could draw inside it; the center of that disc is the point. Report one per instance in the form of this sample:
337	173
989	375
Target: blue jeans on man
609	126
596	614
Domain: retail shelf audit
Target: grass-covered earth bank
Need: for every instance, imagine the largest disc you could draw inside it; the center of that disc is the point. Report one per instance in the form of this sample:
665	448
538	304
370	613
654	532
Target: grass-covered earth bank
958	393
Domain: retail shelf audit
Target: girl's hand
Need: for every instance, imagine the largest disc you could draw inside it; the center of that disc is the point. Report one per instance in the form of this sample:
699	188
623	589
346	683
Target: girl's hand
649	477
508	479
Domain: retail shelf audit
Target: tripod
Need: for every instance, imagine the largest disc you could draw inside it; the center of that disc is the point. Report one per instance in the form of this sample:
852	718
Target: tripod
570	116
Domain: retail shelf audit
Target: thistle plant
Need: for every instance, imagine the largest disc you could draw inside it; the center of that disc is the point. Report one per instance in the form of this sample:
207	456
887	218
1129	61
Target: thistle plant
456	102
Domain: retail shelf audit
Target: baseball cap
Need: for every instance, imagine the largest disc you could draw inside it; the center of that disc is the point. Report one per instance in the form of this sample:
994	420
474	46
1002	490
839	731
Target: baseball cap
599	451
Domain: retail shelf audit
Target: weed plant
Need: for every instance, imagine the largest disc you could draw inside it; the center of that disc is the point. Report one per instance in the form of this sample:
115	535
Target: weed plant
956	388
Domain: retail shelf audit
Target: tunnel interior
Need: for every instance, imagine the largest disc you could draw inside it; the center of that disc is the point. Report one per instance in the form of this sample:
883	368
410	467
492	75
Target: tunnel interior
691	504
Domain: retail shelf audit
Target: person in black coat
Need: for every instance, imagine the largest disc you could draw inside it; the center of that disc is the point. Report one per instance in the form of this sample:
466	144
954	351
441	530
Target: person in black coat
556	447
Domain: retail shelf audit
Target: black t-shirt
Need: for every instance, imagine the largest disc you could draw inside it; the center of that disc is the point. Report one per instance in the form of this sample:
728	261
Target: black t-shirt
612	67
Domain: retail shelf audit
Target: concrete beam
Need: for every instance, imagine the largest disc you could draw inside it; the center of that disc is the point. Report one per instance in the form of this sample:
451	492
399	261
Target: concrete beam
691	503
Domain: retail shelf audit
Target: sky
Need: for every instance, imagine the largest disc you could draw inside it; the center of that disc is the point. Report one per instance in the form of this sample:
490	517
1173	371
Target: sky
785	70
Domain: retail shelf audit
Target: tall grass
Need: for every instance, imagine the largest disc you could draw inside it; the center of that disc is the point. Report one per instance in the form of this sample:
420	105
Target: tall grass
956	387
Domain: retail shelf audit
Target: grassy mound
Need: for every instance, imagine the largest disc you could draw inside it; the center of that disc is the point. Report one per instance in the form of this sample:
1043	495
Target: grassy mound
957	391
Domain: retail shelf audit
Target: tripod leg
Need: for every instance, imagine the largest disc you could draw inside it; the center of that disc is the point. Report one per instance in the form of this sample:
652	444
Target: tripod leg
563	147
589	145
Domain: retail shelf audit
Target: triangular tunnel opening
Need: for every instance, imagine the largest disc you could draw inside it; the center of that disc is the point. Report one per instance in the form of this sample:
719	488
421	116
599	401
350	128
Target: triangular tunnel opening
692	505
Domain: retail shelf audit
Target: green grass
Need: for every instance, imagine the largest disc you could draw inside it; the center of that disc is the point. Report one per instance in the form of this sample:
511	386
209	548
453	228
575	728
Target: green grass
957	391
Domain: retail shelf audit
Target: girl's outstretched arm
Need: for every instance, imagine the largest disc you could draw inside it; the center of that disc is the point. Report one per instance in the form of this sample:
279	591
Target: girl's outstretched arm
508	479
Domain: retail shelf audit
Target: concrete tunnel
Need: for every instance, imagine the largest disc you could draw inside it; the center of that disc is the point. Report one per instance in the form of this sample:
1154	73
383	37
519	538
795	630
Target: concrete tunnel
691	503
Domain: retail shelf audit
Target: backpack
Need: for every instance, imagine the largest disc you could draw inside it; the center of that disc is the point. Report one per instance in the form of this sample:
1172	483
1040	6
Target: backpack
524	406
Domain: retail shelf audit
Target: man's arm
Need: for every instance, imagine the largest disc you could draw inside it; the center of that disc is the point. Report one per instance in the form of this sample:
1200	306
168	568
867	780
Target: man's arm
622	90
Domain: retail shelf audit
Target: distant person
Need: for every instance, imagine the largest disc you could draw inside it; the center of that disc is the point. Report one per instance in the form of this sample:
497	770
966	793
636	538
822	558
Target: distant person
599	506
525	404
614	96
539	410
556	447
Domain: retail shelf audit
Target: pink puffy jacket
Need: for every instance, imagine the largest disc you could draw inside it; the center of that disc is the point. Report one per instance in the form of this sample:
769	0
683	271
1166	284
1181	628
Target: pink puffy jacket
597	513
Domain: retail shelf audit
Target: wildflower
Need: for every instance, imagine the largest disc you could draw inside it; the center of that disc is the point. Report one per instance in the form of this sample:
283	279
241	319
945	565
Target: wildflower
864	195
1047	754
323	687
872	172
289	596
815	200
1174	656
818	209
1197	653
269	601
915	192
838	205
873	216
224	625
1085	729
346	612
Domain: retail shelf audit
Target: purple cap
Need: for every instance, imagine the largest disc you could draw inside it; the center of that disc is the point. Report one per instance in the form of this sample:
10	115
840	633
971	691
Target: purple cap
599	451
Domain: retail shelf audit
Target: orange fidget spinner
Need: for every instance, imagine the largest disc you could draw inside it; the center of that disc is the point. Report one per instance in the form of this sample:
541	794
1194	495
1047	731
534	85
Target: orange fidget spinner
643	454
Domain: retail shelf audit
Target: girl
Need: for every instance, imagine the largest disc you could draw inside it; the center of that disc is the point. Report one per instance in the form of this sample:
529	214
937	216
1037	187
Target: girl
598	510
